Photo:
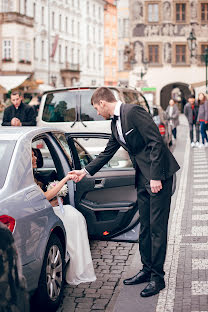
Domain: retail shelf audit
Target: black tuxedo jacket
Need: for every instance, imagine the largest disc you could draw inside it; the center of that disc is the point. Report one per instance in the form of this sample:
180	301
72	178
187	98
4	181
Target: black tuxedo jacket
144	144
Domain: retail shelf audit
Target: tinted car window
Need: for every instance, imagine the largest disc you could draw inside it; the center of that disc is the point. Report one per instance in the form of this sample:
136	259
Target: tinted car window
60	107
88	113
6	151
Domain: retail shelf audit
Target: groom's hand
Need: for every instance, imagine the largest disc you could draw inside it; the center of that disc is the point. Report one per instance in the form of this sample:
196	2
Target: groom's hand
78	175
155	185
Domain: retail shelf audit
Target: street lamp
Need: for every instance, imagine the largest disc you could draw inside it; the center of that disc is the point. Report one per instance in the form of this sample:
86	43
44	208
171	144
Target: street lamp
204	57
191	43
53	80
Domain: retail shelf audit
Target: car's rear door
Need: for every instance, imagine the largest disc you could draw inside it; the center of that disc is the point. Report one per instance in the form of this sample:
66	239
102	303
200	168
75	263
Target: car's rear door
107	199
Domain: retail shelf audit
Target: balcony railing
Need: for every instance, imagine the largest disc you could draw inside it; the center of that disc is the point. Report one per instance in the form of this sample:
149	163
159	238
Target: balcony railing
14	17
71	67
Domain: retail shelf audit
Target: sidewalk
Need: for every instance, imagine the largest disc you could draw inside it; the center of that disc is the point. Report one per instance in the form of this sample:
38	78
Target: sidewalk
187	255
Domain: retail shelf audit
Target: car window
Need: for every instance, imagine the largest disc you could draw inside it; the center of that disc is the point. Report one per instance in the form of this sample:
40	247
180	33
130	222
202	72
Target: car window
60	137
47	162
6	151
60	107
94	146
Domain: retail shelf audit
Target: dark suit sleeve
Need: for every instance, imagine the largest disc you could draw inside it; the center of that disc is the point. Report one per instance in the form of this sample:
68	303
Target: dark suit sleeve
111	148
155	146
6	118
31	117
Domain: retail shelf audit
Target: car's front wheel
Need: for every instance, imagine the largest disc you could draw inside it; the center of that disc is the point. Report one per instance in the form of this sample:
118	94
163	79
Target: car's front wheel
51	282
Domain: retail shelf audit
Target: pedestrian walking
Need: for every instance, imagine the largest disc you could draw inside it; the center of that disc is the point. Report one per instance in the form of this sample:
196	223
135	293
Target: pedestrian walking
172	112
191	110
134	129
18	114
203	117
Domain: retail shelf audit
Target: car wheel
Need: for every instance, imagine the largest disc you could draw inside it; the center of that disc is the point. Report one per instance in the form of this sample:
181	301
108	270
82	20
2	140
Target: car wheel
51	282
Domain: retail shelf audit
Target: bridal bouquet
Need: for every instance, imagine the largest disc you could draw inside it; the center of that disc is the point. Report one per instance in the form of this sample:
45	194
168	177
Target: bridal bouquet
63	191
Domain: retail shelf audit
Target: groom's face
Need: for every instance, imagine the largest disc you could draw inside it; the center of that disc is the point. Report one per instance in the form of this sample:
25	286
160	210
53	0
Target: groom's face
102	109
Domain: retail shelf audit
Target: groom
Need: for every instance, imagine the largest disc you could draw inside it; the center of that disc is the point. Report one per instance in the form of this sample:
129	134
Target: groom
133	128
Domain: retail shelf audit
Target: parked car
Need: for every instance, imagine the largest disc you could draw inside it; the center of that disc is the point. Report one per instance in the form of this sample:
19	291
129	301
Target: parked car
107	200
70	109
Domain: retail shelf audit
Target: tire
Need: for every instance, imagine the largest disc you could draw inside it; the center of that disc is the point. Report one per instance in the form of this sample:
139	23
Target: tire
50	286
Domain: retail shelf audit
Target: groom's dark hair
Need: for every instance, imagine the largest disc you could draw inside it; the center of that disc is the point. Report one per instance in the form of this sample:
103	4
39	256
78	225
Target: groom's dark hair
102	93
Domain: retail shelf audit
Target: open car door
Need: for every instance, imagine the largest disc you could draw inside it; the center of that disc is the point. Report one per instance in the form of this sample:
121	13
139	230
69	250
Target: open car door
108	200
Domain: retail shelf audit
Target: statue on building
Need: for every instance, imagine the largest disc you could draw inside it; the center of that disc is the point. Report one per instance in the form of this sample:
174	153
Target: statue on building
129	56
166	11
167	52
138	51
193	10
137	11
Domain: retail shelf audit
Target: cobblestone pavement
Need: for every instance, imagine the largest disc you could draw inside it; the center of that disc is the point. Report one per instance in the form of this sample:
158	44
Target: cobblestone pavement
111	261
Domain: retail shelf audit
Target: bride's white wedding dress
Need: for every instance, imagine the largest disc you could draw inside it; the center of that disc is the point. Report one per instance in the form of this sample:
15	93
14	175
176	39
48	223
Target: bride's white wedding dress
80	267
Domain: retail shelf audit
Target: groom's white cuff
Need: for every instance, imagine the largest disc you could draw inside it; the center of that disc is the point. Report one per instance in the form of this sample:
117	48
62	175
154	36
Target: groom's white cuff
86	171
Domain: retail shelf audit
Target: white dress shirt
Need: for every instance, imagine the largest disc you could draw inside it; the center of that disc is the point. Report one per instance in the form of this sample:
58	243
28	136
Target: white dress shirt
118	122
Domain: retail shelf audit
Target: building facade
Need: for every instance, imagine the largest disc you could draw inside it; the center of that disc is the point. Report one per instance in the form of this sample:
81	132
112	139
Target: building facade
158	32
124	65
110	43
60	42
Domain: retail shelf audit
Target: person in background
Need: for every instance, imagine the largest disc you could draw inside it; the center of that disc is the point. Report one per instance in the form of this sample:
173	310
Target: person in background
191	110
18	114
203	117
172	112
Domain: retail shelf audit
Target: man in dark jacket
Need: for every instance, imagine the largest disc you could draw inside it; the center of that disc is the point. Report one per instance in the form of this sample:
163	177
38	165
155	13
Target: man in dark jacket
18	114
191	112
134	129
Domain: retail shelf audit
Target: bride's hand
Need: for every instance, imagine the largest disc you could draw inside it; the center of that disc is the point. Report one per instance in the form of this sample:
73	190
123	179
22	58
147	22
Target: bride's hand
72	176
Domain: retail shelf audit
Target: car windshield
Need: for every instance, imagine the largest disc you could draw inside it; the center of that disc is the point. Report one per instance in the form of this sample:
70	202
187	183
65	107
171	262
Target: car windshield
6	150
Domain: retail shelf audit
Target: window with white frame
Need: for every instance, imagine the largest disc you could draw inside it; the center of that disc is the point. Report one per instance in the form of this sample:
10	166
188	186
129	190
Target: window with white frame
99	62
72	55
94	60
60	51
78	29
78	56
34	11
60	20
153	12
7	49
5	6
53	20
66	24
42	50
28	51
34	48
66	55
72	27
88	32
42	15
94	34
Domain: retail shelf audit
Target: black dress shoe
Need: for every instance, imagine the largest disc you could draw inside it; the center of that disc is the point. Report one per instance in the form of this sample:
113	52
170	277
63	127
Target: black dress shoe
152	288
139	278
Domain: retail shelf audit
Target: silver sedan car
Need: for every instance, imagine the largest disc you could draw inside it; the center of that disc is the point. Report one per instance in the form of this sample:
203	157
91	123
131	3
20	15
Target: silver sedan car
107	200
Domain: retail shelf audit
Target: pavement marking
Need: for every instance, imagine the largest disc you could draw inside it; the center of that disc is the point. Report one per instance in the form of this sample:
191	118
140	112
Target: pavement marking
200	208
199	288
200	246
200	186
201	193
205	180
200	200
201	230
202	217
199	264
167	296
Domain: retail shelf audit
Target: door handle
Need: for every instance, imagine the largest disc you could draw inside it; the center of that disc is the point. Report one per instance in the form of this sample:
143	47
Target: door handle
99	183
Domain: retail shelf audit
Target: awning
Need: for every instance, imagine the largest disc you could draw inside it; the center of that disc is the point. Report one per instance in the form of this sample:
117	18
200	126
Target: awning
12	82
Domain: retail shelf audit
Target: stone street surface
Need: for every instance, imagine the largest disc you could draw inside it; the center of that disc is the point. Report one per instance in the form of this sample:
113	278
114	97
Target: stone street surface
186	263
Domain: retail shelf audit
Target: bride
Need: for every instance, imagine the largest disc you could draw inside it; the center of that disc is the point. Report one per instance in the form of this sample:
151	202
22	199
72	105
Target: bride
80	267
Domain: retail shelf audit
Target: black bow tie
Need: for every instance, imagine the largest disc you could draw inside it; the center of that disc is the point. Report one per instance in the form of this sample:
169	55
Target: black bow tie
114	118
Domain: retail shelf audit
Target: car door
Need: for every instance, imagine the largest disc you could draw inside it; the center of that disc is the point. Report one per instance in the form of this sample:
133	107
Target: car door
108	199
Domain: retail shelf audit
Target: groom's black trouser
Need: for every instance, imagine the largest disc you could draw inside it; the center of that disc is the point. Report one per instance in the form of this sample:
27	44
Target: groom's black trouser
154	213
